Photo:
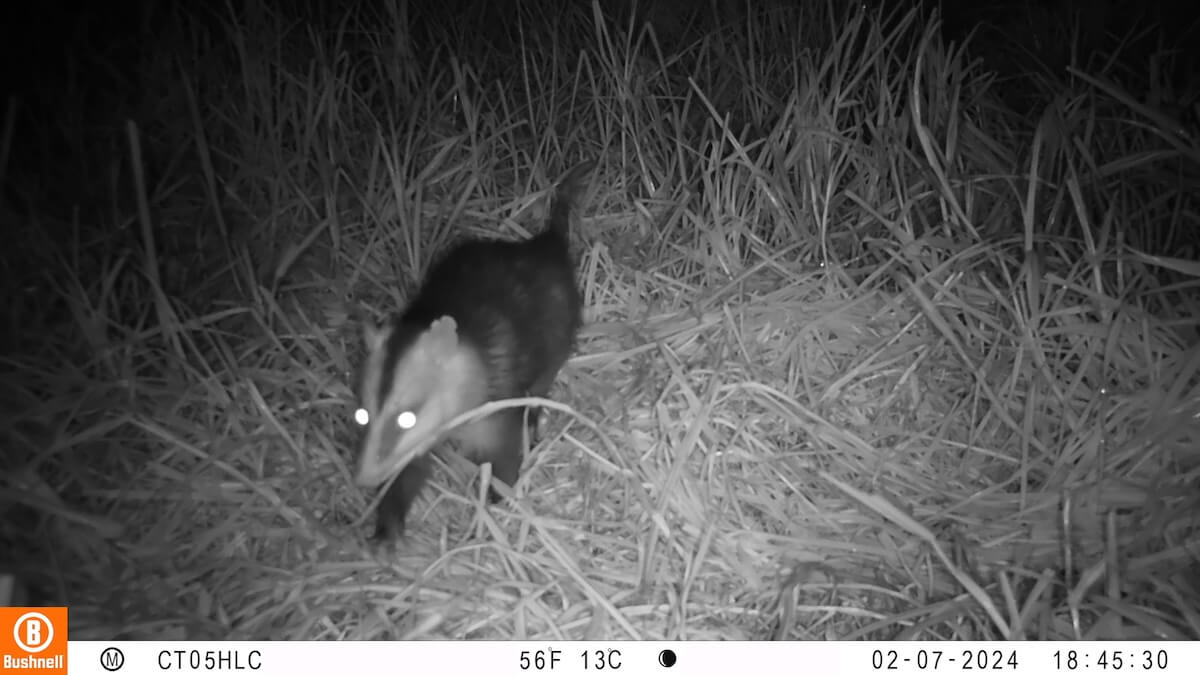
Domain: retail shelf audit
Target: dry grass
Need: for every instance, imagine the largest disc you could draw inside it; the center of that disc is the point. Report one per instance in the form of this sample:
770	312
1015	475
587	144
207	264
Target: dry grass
867	355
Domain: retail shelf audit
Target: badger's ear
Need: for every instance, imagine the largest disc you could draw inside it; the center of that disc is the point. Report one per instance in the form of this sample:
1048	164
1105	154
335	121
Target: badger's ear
442	339
374	335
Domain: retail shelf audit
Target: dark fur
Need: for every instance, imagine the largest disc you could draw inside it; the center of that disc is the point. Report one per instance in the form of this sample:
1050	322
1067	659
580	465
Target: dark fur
518	305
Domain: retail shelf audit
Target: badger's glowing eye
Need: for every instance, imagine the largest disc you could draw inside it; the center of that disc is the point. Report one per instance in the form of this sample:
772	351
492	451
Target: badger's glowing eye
361	416
406	419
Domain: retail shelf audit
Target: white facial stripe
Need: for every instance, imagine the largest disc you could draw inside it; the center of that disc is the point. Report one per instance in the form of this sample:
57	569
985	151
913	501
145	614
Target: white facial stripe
398	430
425	394
389	446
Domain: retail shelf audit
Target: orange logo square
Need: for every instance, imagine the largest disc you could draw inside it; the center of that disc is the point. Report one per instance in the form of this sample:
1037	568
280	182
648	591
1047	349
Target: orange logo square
33	640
